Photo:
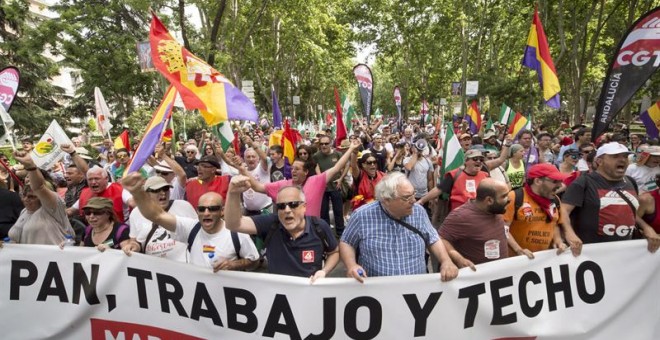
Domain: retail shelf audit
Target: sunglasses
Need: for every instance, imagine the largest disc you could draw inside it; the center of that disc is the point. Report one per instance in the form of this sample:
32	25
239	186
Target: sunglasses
324	143
477	159
292	205
190	151
163	189
586	152
164	173
211	208
370	162
121	156
302	153
575	156
96	212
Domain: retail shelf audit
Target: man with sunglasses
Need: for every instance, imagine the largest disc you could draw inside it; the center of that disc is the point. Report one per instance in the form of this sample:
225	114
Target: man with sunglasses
189	161
390	236
533	222
297	245
204	235
325	159
151	239
206	180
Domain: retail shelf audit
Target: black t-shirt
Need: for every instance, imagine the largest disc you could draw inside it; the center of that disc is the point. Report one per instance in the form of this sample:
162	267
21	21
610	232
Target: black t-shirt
10	208
600	214
189	167
300	257
120	233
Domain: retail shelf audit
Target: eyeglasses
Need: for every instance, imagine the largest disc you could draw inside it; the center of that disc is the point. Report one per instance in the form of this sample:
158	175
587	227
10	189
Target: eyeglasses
121	156
156	191
292	205
324	143
211	208
190	151
370	162
574	156
407	198
586	152
477	159
95	212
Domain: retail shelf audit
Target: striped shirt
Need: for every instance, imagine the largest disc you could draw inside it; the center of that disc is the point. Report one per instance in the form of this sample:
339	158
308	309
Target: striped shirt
385	247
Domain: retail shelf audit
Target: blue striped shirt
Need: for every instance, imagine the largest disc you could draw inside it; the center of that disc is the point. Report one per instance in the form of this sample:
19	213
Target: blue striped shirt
385	247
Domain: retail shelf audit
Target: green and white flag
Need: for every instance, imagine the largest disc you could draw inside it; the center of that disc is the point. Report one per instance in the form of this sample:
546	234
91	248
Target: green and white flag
452	153
489	124
506	115
224	133
348	111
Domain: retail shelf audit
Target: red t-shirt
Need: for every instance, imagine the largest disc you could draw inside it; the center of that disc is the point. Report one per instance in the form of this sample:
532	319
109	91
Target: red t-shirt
195	188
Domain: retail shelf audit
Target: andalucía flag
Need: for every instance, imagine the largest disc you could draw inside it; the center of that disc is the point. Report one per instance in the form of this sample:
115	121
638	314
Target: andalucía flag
349	112
506	115
224	133
452	153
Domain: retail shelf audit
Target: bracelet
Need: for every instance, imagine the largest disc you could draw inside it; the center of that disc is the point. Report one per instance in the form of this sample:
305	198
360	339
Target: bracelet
30	169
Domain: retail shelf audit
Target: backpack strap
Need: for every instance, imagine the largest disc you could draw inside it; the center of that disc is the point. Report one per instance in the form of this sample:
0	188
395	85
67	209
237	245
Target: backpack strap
193	234
316	227
447	195
154	226
237	244
120	230
269	236
518	201
88	232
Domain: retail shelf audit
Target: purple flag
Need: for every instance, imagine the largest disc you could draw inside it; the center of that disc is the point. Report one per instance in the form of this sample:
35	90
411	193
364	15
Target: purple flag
277	115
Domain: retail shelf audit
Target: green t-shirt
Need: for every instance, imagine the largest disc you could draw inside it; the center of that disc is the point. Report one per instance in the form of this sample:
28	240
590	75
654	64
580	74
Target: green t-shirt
325	162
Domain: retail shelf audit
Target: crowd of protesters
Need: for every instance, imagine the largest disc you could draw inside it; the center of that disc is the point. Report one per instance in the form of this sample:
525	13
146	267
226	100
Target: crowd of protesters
377	200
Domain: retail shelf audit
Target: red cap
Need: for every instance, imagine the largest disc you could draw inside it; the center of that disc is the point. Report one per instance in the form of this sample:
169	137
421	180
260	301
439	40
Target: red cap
546	170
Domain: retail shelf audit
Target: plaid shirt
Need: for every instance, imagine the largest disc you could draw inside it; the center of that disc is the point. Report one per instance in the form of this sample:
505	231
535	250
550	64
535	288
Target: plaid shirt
386	248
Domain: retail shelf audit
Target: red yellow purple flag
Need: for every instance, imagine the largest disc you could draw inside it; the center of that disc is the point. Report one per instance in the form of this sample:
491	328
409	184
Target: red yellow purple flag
473	117
153	132
537	57
200	86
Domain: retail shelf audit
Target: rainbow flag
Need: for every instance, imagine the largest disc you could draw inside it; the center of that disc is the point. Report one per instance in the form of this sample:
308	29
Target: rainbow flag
473	117
200	86
153	133
651	120
208	249
537	57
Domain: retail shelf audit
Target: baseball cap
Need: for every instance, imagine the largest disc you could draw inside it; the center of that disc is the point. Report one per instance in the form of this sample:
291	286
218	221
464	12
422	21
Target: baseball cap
489	134
546	170
98	203
472	153
155	183
612	148
653	150
211	160
465	135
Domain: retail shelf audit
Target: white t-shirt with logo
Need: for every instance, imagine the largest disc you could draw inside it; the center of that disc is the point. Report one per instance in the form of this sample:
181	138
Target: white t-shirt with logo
644	176
253	200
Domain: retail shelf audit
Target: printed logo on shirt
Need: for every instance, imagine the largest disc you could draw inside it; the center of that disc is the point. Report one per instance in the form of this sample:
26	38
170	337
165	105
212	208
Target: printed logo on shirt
307	256
492	249
527	210
471	186
615	218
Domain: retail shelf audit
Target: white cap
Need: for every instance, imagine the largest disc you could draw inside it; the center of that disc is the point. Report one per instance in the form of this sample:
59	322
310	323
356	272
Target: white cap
612	148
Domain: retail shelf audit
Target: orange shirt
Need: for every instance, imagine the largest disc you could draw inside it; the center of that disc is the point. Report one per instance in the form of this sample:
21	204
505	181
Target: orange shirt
530	227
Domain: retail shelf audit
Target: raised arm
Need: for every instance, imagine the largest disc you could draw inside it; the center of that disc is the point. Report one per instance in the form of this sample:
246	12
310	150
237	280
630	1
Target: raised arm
134	183
174	165
263	158
504	155
339	166
47	197
234	219
80	163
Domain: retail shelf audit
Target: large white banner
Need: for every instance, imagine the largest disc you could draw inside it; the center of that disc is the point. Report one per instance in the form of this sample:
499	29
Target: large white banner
609	292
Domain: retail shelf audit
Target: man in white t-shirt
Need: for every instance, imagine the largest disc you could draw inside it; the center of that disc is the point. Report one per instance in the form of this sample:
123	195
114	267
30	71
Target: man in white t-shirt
646	168
256	161
211	244
151	239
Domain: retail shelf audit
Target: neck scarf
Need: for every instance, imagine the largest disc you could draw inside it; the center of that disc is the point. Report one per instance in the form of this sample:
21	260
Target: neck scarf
544	203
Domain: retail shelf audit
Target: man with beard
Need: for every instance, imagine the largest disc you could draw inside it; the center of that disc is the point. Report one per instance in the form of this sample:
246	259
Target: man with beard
533	220
474	232
206	180
205	234
601	206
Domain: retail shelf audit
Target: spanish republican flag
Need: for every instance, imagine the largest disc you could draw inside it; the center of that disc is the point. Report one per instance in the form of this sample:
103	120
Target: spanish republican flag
651	120
537	57
200	86
123	141
473	118
519	123
154	132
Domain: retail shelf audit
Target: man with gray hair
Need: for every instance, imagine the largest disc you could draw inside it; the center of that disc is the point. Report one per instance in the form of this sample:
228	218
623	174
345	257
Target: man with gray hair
404	233
97	179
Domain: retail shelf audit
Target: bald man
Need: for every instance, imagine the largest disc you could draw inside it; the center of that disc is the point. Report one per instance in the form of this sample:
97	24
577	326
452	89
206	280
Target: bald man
474	232
205	235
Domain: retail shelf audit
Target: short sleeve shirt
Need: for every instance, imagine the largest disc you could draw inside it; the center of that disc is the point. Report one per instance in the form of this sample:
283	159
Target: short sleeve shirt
313	189
302	256
529	226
